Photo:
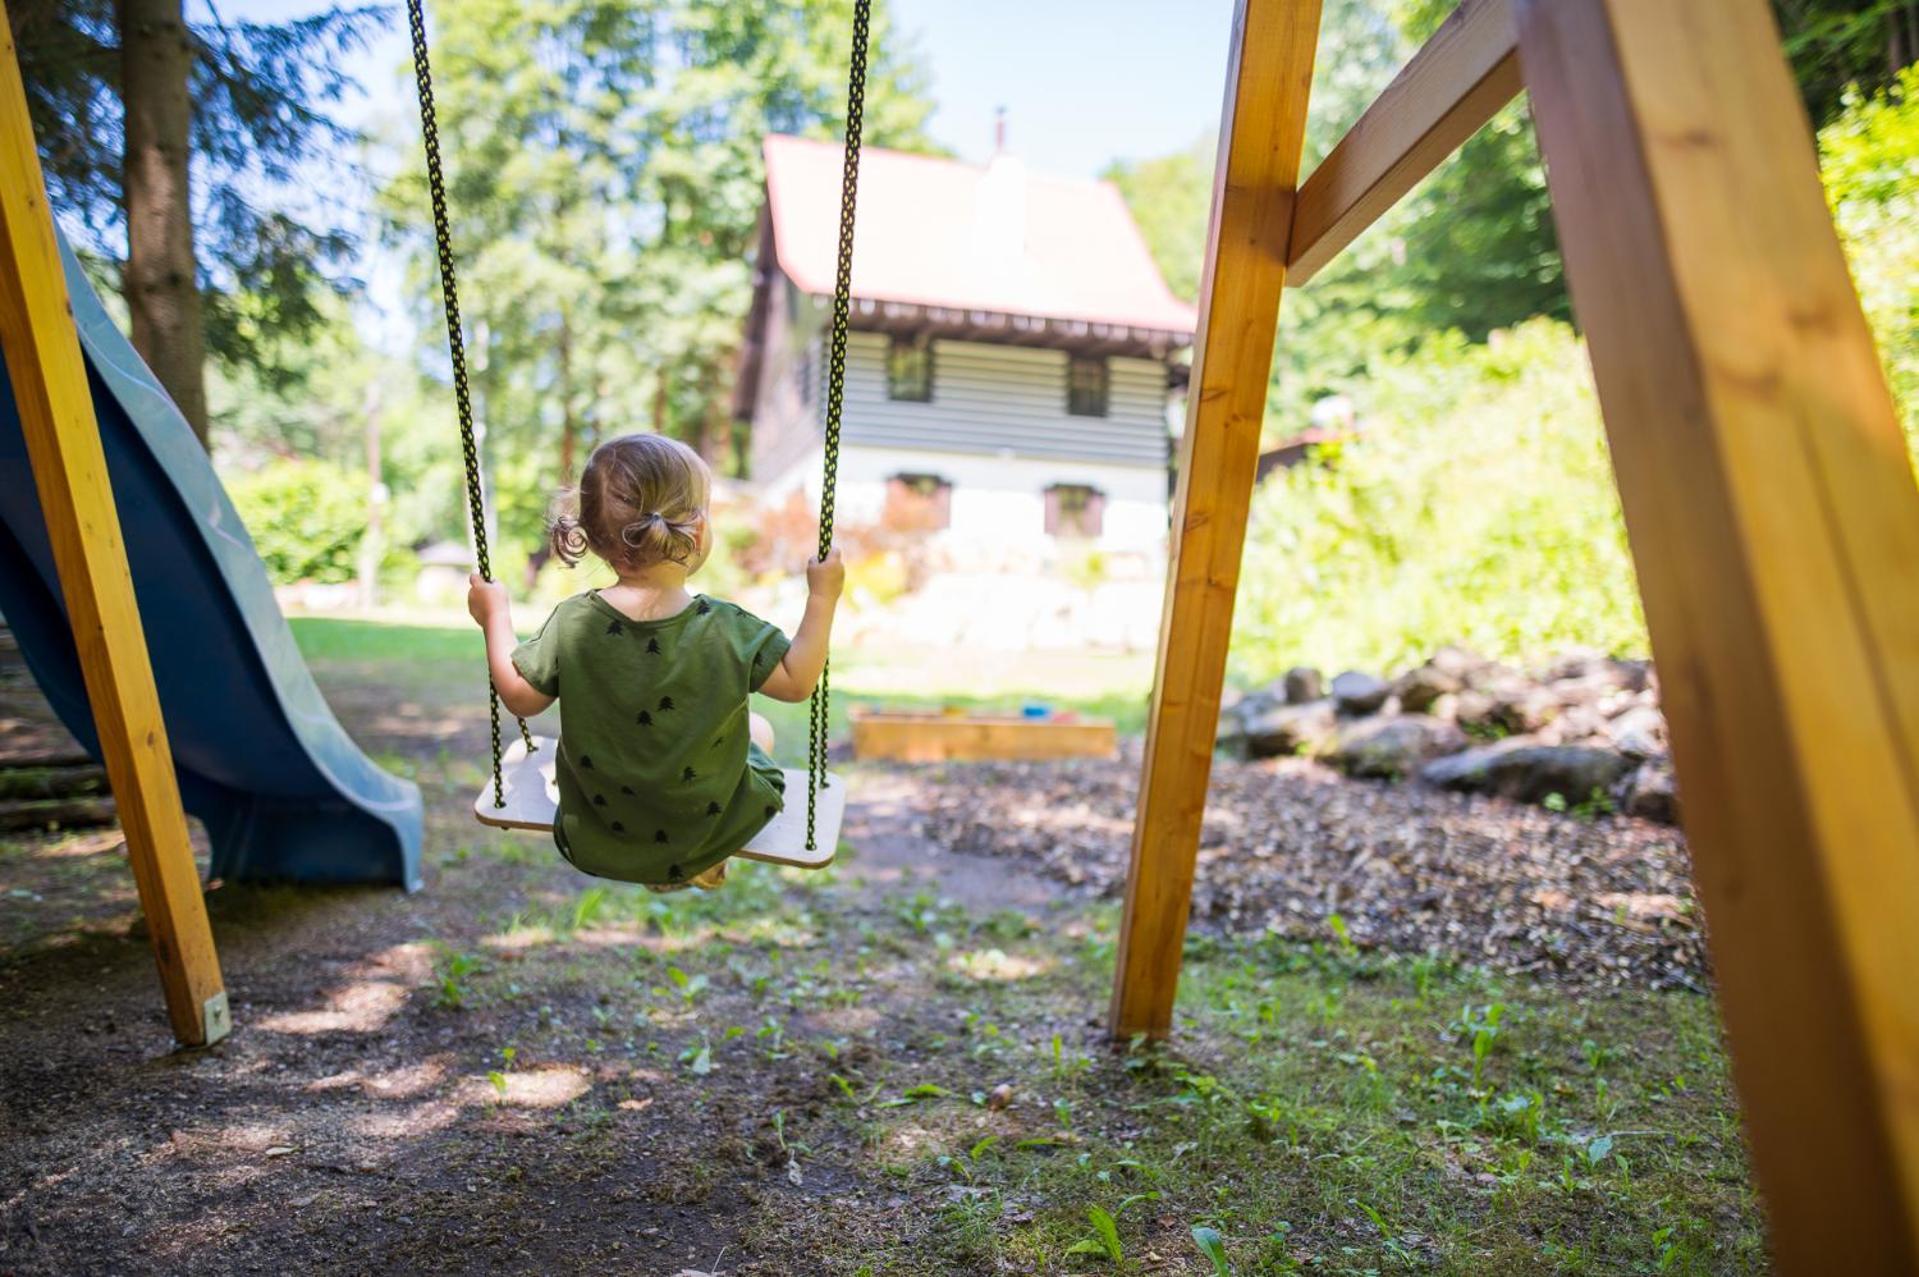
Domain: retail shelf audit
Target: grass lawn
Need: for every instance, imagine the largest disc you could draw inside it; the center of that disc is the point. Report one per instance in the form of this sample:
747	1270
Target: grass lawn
448	661
891	1067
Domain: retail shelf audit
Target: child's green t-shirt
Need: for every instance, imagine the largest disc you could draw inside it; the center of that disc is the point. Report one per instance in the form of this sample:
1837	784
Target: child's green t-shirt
658	777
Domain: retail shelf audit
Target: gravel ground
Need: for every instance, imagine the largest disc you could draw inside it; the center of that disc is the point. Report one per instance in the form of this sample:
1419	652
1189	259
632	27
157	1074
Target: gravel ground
1591	901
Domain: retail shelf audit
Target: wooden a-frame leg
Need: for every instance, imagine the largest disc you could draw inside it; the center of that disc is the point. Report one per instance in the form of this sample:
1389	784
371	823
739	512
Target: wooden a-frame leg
1262	128
1775	526
70	472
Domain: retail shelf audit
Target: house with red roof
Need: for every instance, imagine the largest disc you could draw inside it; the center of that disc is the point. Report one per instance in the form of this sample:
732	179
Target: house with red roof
1012	356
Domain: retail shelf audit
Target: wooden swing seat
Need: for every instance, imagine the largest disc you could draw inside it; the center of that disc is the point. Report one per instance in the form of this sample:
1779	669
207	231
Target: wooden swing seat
532	799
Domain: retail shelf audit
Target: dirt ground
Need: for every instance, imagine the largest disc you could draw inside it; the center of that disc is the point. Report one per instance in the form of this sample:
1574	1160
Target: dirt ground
892	1066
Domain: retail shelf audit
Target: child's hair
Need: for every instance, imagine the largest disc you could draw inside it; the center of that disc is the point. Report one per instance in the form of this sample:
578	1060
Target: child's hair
639	503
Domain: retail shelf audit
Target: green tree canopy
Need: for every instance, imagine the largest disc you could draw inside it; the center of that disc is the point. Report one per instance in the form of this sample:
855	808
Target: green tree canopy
262	93
605	177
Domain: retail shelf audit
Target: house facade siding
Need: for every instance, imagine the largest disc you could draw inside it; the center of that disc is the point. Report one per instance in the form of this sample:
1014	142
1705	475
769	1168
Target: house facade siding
1006	400
996	429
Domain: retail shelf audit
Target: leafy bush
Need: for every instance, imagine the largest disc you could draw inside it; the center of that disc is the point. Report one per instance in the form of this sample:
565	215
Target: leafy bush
1869	157
1474	504
306	517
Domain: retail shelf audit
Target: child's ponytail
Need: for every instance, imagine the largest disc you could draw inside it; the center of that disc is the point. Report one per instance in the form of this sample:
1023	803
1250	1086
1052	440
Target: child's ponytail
567	535
656	538
640	502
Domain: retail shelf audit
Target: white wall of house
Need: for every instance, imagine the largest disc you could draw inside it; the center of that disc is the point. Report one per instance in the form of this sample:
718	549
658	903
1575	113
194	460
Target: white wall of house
996	429
1003	399
998	502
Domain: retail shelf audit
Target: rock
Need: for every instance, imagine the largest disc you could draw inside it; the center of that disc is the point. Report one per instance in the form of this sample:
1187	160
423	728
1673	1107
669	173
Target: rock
1302	684
1469	770
1580	663
1393	748
1473	709
1421	687
1576	724
1510	707
1639	732
1359	694
1231	734
1286	730
1457	663
1651	793
1527	771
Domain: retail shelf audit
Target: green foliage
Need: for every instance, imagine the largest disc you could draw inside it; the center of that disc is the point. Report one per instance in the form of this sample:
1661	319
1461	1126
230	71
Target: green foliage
605	177
1870	161
1840	48
1170	197
1105	1239
306	519
262	95
1474	505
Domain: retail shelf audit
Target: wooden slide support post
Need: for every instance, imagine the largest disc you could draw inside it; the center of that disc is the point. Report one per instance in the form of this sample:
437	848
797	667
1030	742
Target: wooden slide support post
1262	127
70	472
1775	526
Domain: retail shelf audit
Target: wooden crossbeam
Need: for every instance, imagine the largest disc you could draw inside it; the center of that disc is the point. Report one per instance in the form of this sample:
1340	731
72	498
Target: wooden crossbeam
1448	90
1263	124
1775	527
76	499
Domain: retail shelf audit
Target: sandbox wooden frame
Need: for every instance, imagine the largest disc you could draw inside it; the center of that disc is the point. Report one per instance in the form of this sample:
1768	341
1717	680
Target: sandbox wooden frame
1769	502
906	737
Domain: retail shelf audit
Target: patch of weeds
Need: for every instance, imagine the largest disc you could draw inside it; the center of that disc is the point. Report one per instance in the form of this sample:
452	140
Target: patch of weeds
1213	1247
587	908
1104	1240
498	1076
965	1164
452	968
689	987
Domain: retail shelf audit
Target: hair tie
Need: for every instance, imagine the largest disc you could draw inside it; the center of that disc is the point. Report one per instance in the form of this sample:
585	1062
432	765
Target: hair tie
631	533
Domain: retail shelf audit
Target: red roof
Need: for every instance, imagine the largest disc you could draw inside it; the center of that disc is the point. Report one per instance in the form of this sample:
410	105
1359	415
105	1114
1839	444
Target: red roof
934	232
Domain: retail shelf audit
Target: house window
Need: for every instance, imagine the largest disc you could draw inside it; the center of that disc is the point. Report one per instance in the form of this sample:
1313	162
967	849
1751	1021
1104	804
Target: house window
909	369
1074	510
1086	386
917	503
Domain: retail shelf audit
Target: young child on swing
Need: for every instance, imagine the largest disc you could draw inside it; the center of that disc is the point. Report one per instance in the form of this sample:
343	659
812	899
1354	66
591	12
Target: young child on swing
663	771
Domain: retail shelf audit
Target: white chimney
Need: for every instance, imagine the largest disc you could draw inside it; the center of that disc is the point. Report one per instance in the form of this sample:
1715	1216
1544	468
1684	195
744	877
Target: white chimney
999	214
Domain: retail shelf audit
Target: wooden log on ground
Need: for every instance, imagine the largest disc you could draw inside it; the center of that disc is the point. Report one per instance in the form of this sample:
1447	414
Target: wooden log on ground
24	815
26	784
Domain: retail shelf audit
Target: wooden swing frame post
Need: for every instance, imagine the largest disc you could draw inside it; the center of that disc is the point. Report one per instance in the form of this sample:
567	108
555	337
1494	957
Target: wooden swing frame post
83	525
1262	128
1775	528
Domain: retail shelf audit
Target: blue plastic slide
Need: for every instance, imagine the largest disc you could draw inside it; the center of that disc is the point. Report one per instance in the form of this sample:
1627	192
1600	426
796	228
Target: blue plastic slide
284	793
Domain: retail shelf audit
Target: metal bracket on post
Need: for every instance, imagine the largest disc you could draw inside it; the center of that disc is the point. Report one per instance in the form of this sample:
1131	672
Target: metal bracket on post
216	1018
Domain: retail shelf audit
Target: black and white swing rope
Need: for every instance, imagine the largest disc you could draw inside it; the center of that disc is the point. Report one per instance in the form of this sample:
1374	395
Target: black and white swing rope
456	344
836	386
819	705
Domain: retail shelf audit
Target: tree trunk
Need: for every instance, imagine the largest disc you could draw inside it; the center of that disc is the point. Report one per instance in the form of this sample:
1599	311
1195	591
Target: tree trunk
160	283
